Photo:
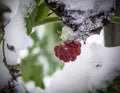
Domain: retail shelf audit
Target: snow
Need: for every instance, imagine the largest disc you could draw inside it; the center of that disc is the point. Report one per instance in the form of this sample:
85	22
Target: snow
37	90
23	53
40	31
81	4
15	31
96	65
47	80
19	88
26	6
98	38
29	85
4	75
11	56
109	69
85	5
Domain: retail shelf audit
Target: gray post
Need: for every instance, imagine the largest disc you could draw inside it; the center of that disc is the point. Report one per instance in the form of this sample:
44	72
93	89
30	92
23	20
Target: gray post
112	31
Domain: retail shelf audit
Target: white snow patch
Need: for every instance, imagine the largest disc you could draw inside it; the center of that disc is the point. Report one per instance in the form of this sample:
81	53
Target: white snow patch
43	61
40	30
15	33
108	71
97	38
30	85
79	4
47	80
19	88
85	5
23	53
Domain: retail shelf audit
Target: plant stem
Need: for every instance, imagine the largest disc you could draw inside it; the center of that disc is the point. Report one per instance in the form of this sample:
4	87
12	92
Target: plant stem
3	50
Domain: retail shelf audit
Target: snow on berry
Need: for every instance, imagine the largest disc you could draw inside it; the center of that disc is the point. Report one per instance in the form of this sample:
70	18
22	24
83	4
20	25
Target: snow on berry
68	51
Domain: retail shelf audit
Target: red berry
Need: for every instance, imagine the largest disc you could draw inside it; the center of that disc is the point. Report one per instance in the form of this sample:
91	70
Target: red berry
77	51
68	51
73	44
62	52
73	58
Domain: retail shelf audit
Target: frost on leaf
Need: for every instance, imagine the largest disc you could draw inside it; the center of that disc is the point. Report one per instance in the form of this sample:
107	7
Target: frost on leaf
83	16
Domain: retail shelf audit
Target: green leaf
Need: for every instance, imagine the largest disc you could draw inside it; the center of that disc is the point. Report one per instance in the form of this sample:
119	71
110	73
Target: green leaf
43	11
31	71
28	25
39	16
48	20
34	36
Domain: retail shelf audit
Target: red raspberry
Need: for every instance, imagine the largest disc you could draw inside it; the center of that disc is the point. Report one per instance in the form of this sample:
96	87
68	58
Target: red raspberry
74	47
69	51
73	58
57	49
77	51
62	52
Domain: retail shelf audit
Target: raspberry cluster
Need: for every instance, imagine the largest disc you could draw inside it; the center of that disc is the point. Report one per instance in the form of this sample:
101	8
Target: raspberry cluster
68	51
